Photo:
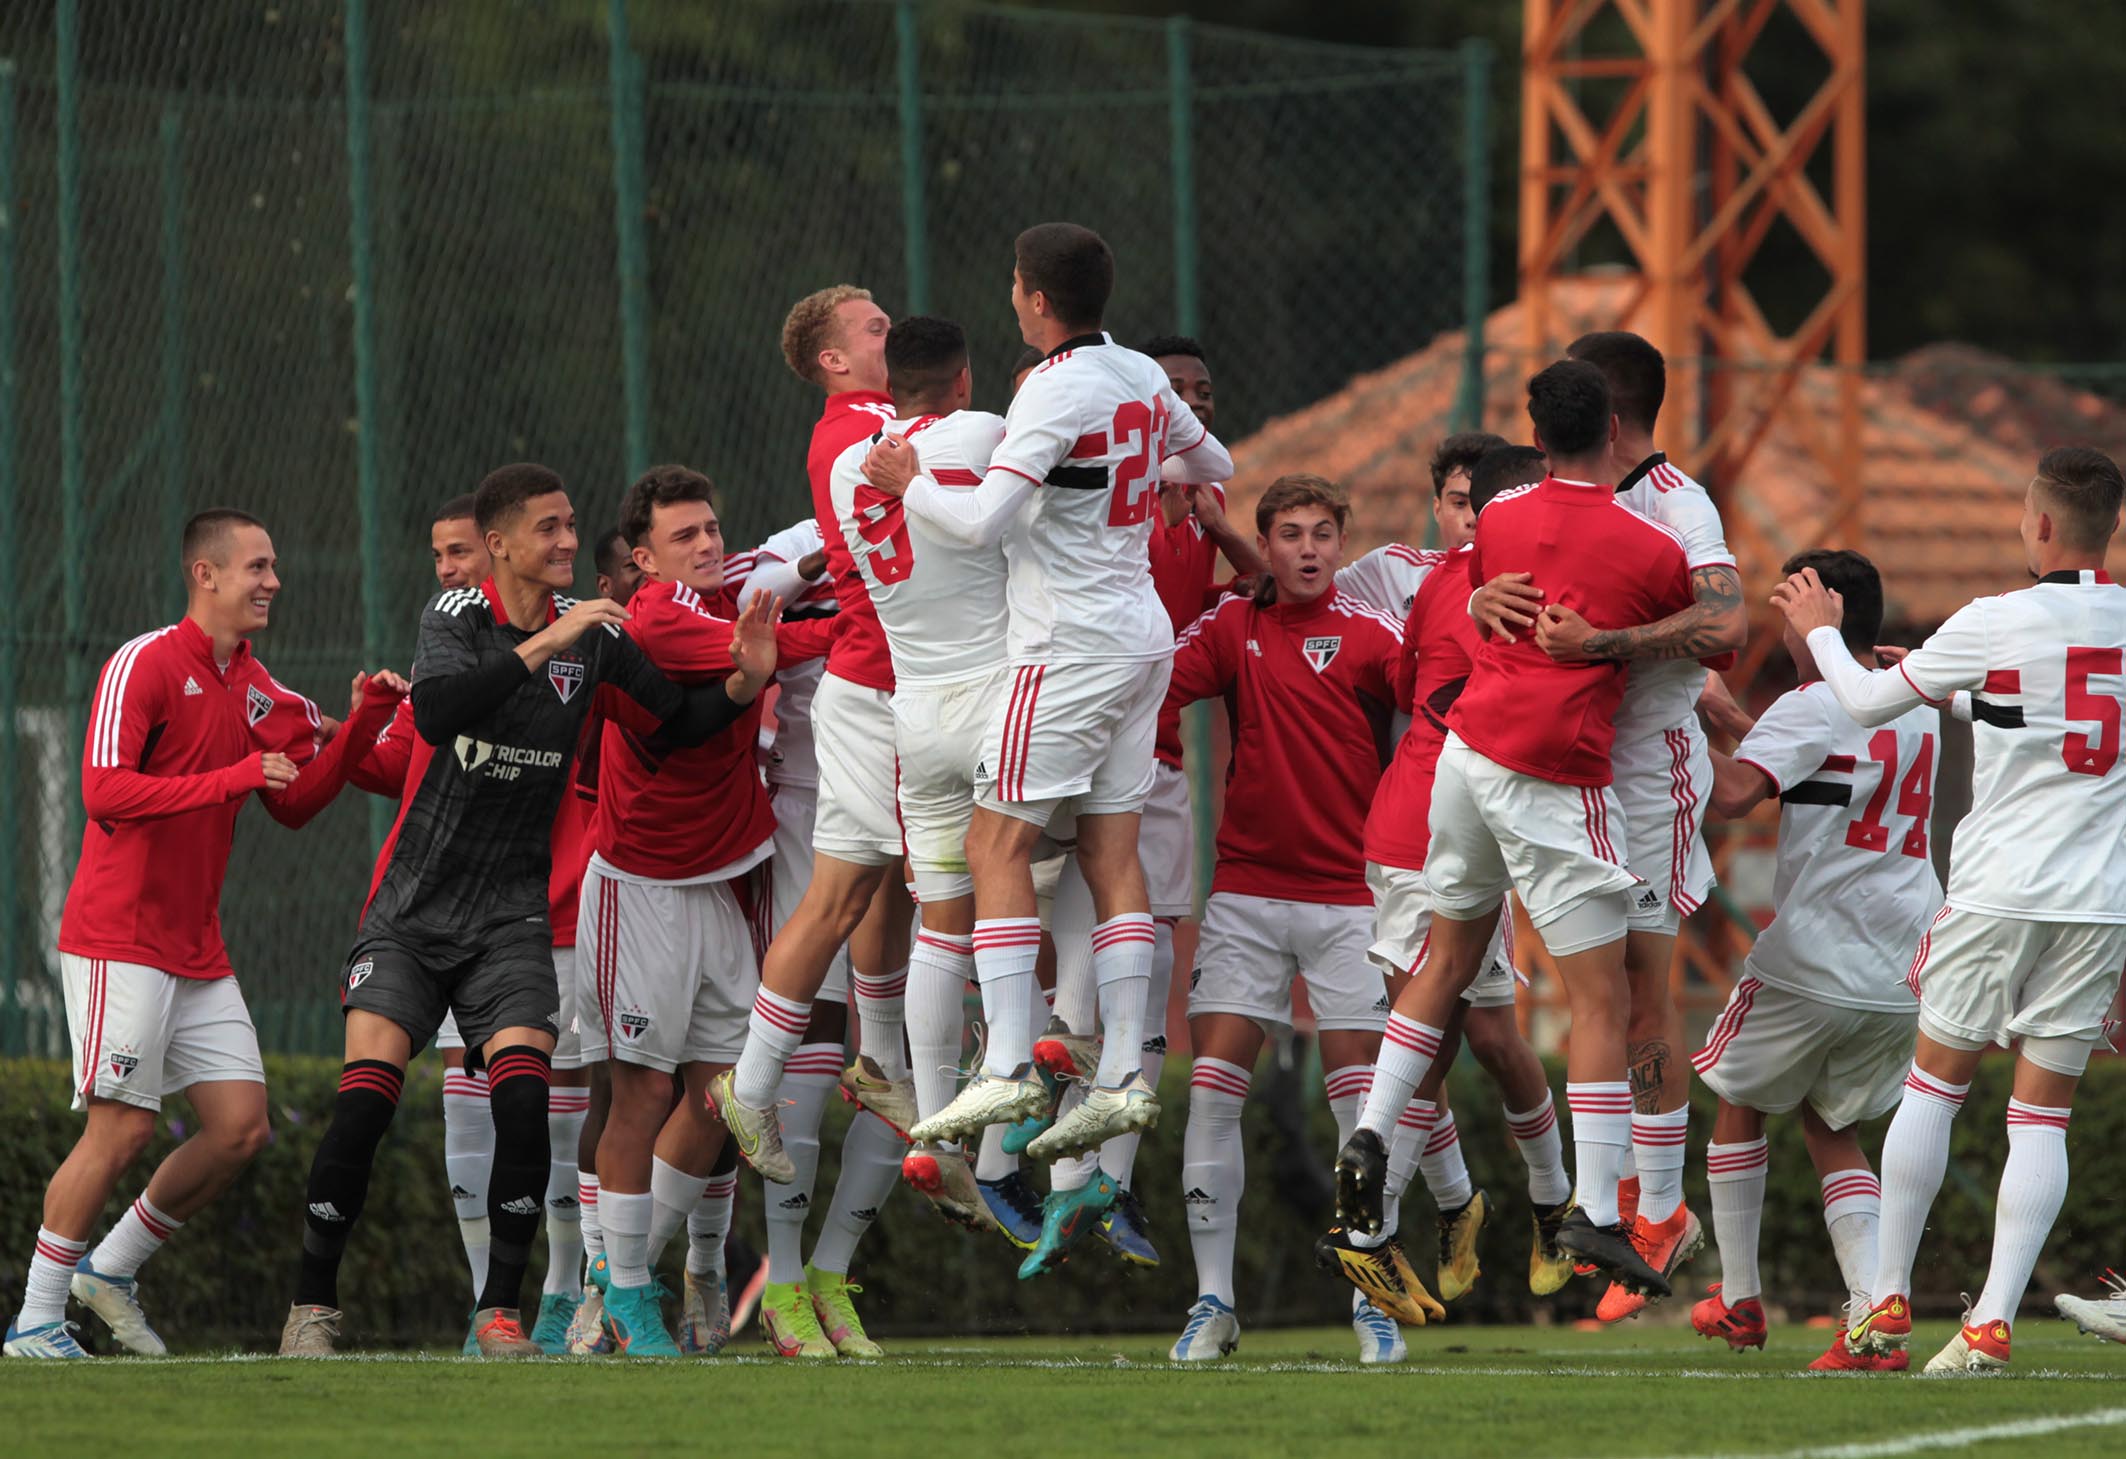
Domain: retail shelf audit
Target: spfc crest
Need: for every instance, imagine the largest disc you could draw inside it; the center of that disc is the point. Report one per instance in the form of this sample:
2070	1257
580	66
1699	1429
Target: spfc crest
566	675
123	1063
257	704
359	974
1321	652
634	1023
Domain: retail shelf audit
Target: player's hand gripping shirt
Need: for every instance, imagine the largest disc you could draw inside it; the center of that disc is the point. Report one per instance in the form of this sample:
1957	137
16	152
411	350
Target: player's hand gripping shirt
1439	647
859	654
1855	886
2046	836
790	756
1662	694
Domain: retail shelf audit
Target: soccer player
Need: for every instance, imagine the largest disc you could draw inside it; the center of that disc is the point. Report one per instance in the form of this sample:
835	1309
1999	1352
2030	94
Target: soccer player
185	726
618	576
1072	492
1821	1019
504	676
836	339
1662	779
2030	942
1522	797
1310	673
1388	577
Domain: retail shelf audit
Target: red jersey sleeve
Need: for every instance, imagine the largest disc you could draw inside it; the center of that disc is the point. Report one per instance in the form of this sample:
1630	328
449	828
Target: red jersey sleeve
1406	664
806	638
328	771
382	771
1202	669
129	701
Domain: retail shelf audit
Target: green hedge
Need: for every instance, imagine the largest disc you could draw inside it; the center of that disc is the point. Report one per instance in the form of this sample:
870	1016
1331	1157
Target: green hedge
227	1277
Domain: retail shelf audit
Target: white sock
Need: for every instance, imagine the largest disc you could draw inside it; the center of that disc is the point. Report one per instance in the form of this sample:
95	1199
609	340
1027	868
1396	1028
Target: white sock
807	1082
1407	1048
627	1216
1601	1138
881	1019
774	1032
1122	966
468	1156
2033	1187
1005	949
1852	1211
936	1015
587	1205
1915	1156
139	1234
1446	1172
51	1273
1535	1135
709	1223
1074	999
1734	1174
1413	1127
1658	1145
1346	1089
673	1196
566	1110
1214	1171
871	1168
1118	1157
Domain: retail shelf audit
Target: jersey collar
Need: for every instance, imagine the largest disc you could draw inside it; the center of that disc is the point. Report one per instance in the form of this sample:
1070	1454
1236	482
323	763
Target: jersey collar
1577	487
1079	342
2084	577
196	641
848	400
1639	472
501	615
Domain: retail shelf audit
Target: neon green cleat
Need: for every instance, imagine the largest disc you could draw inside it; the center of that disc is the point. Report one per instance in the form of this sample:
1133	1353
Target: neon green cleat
789	1325
1067	1217
830	1293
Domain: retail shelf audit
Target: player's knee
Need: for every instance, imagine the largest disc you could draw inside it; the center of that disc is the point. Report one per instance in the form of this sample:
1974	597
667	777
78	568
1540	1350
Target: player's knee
121	1134
240	1143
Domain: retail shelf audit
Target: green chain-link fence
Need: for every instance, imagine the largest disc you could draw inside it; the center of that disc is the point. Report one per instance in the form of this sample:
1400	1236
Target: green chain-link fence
330	262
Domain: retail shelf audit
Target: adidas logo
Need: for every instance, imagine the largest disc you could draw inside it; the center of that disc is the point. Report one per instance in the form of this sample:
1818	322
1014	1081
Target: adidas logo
1382	1005
562	1203
192	687
867	1215
522	1206
1156	1044
459	1193
326	1211
1197	1196
798	1202
1649	899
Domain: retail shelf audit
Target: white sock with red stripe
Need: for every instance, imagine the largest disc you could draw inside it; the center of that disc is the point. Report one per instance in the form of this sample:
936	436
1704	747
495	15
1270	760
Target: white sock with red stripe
1413	1127
566	1110
938	971
2033	1187
808	1080
1734	1177
881	1019
1658	1145
51	1272
1214	1171
1346	1089
1122	966
139	1234
1915	1156
1118	1157
773	1033
1407	1048
1852	1212
1005	949
709	1223
1446	1173
587	1204
1535	1135
1601	1138
468	1156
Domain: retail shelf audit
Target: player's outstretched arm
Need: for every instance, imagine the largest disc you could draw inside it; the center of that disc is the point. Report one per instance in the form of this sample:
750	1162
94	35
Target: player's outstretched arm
377	697
1952	658
974	516
1230	540
773	577
1200	463
1738	789
707	709
112	793
1713	624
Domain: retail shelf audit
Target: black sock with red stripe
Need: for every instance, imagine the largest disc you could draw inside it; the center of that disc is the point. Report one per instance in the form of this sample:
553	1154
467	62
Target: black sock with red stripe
517	1079
339	1174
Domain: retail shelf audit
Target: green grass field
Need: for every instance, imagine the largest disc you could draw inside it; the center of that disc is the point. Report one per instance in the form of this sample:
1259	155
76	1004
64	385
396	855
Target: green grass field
1644	1392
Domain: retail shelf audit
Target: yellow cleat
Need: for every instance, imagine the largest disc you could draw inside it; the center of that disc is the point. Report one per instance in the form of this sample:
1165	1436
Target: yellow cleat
1549	1267
1458	1267
831	1305
789	1325
1383	1273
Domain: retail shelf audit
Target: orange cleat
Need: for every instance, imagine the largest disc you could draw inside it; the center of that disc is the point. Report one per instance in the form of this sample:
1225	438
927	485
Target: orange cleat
1886	1328
1742	1325
1839	1357
1665	1246
1981	1347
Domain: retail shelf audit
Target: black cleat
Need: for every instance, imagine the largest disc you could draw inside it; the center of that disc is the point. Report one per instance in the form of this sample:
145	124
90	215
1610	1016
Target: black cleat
1609	1249
1361	1182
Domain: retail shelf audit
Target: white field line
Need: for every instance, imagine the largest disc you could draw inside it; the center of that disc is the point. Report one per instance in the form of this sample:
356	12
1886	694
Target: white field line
2025	1428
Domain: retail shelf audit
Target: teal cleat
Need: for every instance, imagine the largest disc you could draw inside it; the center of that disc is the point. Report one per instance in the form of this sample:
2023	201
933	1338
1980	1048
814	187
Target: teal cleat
1123	1229
1067	1217
471	1349
52	1340
1024	1132
1016	1206
550	1332
636	1317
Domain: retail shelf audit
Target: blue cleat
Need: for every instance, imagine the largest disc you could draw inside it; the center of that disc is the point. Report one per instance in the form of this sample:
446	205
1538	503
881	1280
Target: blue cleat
1067	1217
1213	1331
52	1340
1124	1231
635	1316
1016	1206
1021	1133
550	1332
1380	1337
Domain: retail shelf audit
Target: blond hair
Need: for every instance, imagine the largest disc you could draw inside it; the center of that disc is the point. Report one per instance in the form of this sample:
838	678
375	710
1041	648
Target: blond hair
810	328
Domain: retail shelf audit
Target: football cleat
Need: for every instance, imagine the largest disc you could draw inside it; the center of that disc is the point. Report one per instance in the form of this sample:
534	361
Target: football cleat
2103	1317
865	1085
756	1132
1123	1229
1627	1211
831	1304
500	1333
1665	1246
1380	1338
1213	1331
1068	1217
1458	1267
117	1301
704	1315
788	1324
310	1332
636	1317
556	1311
1610	1249
947	1182
1549	1268
1104	1113
1382	1274
56	1340
1840	1358
470	1348
988	1099
588	1336
1978	1347
1066	1055
1361	1178
1882	1330
1742	1325
1015	1207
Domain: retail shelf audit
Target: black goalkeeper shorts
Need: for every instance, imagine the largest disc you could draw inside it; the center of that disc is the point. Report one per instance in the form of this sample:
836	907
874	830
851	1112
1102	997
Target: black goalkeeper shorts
506	981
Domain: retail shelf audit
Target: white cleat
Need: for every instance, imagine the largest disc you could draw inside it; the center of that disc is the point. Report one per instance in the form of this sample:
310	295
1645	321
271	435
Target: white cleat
893	1100
1380	1337
947	1181
757	1132
705	1316
1213	1331
2103	1317
1103	1114
988	1099
117	1301
588	1336
52	1340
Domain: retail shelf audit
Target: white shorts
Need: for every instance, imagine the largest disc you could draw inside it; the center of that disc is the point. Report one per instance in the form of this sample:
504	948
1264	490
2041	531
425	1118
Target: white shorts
1402	929
1771	1048
1166	843
140	1033
790	872
1982	978
1080	732
938	729
568	1044
1252	948
672	969
1494	828
1664	782
852	731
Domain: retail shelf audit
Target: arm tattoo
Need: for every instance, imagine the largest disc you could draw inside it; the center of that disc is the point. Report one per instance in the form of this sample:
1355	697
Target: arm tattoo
1707	627
1649	1067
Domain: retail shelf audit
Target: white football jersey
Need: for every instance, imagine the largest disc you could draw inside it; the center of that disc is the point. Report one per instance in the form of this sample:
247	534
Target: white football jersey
1091	426
940	602
1387	578
1662	694
1855	886
786	753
